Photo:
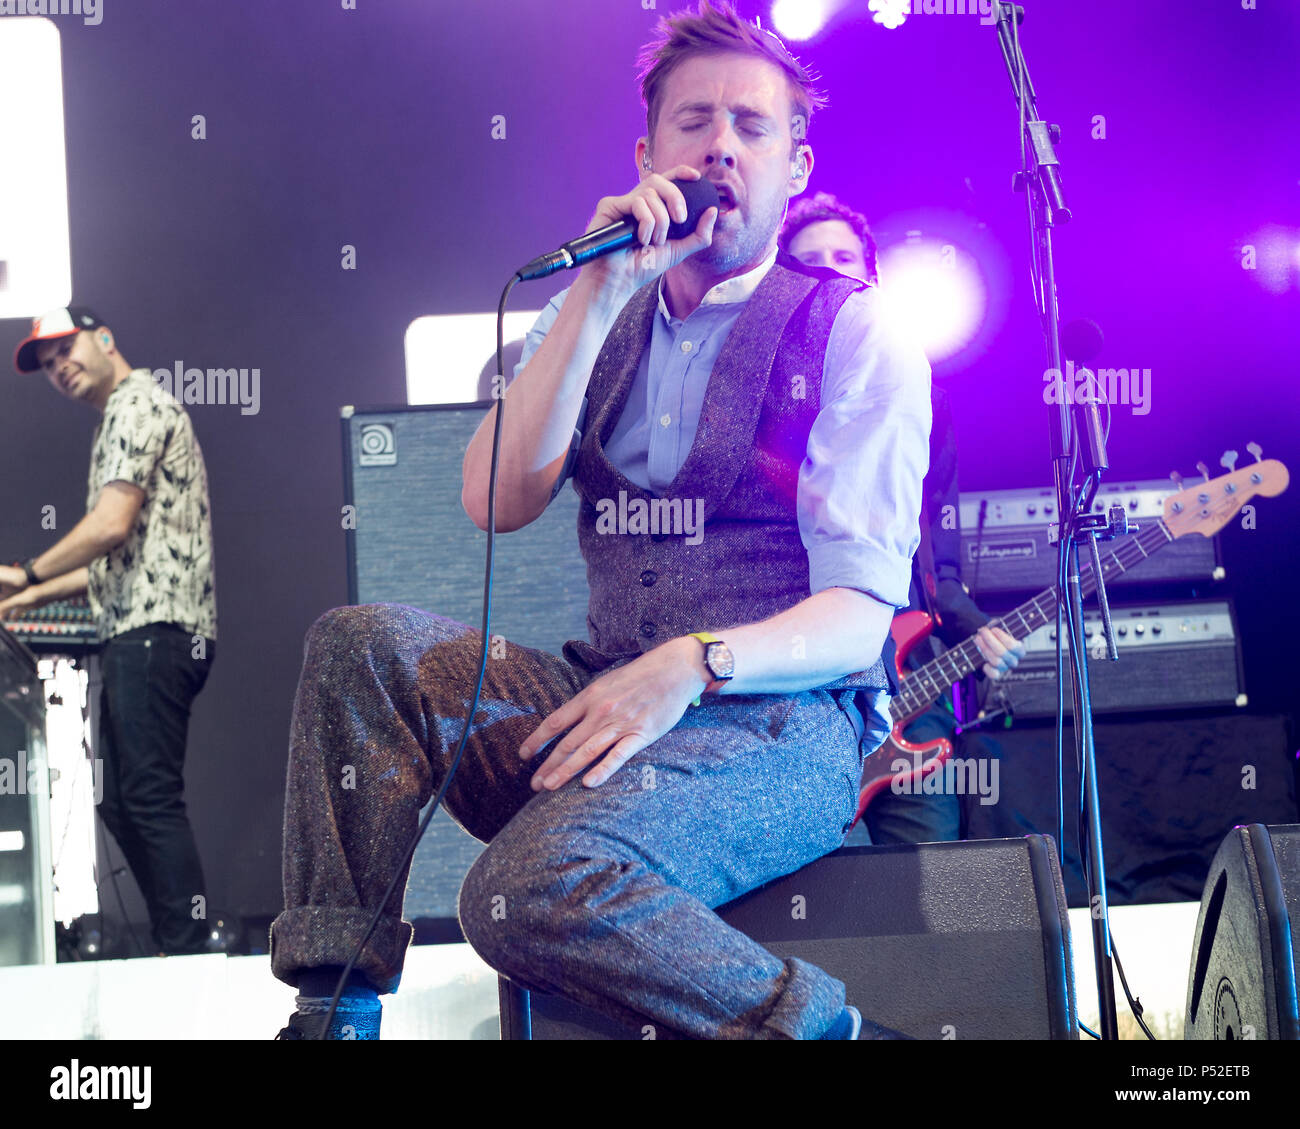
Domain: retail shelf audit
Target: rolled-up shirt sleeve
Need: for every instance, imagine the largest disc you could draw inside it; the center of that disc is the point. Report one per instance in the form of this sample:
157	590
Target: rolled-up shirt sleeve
541	327
859	497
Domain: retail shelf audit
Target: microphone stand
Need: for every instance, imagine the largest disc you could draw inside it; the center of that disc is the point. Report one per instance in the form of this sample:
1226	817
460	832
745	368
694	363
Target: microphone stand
1040	178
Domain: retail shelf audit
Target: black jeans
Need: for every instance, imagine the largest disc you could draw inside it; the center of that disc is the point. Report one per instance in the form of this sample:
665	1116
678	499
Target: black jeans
151	677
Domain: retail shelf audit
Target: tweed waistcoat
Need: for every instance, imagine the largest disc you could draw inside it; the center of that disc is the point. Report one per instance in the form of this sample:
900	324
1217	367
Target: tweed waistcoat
721	546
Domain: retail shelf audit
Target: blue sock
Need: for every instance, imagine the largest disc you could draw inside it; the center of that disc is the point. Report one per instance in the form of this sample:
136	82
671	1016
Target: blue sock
358	1013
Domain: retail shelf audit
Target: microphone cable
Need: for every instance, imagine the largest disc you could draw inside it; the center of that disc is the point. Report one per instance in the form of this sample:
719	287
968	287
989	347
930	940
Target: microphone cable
478	681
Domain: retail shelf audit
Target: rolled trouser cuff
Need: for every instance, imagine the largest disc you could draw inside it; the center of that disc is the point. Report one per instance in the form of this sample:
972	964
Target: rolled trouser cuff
810	1001
323	936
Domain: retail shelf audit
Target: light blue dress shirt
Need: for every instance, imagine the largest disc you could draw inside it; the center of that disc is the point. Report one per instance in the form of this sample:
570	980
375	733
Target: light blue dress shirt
859	492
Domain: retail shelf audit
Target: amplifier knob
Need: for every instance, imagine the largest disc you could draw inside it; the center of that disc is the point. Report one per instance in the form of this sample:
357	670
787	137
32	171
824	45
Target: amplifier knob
1132	503
1156	629
1122	630
1139	629
1031	510
1047	509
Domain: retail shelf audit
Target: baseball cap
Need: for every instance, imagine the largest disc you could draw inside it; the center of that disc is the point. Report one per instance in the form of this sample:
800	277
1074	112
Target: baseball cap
62	322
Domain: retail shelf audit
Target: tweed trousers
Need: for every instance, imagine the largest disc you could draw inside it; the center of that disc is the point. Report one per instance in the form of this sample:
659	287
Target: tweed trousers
602	894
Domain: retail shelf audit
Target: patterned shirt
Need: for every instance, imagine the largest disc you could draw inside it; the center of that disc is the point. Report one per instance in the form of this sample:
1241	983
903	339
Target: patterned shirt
162	572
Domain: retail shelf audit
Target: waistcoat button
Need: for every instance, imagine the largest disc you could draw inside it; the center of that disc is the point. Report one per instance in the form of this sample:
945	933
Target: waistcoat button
649	577
648	629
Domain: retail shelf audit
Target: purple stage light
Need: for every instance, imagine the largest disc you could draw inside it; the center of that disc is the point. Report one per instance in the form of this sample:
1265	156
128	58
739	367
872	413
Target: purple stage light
936	292
1271	254
800	19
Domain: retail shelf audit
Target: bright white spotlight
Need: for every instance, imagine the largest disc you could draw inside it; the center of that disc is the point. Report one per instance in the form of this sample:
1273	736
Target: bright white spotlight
935	291
800	19
889	13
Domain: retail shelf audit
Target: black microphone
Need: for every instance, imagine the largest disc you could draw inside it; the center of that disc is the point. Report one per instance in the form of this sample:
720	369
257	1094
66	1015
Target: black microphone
701	195
1081	340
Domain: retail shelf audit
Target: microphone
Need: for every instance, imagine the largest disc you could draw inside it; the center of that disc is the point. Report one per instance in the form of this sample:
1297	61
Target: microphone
701	195
1081	340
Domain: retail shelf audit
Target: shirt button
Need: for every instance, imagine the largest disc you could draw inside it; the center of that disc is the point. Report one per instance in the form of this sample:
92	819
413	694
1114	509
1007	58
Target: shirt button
648	629
665	420
686	346
649	577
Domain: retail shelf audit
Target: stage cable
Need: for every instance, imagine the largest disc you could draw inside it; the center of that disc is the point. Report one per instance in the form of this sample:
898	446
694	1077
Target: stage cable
407	856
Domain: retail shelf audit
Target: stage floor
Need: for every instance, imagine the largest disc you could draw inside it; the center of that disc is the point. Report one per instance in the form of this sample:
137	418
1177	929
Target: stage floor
448	993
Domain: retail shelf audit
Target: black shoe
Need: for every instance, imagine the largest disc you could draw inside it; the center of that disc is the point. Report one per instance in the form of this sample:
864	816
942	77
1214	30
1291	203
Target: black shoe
302	1027
869	1030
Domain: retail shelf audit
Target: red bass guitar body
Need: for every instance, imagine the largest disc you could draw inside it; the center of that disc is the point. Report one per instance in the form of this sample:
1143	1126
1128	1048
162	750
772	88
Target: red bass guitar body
898	759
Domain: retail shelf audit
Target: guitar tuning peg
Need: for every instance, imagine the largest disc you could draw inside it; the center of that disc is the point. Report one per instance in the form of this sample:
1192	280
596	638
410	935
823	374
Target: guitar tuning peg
1205	471
1256	450
1229	460
1178	478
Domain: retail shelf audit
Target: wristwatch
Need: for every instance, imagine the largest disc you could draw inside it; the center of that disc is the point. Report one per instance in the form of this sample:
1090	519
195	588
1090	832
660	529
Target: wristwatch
718	659
30	571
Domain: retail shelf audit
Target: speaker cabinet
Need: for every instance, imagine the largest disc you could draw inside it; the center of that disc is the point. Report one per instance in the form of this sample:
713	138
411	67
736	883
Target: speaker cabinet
1169	785
1243	976
937	940
413	544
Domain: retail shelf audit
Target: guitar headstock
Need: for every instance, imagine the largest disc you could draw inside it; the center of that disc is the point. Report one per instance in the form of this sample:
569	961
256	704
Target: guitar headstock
1208	507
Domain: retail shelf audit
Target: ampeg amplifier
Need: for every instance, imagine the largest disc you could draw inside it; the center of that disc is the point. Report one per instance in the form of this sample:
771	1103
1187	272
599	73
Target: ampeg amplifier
1171	656
66	626
1005	547
413	544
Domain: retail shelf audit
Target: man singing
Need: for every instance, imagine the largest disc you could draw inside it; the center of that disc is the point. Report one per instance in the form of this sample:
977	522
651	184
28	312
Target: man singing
618	811
143	553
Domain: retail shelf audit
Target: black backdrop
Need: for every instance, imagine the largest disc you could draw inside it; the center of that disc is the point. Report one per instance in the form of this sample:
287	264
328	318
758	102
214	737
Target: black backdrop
328	126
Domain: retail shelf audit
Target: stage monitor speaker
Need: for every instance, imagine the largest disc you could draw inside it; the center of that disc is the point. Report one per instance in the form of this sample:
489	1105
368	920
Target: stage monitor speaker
937	940
1242	983
413	544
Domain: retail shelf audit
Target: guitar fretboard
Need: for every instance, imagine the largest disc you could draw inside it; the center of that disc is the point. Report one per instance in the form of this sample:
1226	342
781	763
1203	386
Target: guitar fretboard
922	687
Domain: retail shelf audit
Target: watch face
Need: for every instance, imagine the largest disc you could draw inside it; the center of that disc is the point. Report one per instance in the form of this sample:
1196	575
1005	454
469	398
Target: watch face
719	660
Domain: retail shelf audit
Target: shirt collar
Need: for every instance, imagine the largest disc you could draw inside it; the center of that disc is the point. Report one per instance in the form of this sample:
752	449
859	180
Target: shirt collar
730	290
